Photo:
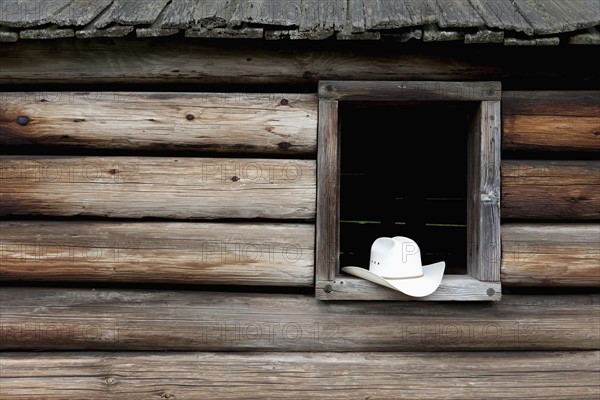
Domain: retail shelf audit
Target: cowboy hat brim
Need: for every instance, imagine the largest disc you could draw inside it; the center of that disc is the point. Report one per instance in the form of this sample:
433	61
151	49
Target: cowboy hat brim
415	287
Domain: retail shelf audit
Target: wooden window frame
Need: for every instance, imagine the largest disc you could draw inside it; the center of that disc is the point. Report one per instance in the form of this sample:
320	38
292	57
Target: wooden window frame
482	281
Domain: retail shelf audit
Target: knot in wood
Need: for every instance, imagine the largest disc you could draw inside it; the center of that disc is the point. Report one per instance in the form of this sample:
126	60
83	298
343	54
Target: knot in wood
22	120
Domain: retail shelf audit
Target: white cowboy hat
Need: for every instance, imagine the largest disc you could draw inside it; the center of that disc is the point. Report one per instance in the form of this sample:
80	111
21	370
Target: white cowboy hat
396	264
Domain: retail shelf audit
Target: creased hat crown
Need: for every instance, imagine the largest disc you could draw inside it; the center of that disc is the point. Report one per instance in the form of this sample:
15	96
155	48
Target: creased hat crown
397	257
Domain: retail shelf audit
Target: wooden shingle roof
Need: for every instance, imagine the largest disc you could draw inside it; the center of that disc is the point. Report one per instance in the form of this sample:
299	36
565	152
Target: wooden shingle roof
511	22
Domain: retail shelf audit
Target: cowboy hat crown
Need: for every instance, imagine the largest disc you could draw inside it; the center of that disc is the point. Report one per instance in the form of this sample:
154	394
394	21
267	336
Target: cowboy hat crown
397	257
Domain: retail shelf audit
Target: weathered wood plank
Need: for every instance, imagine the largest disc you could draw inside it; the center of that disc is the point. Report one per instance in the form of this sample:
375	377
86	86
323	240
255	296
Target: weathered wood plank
136	187
452	288
168	60
501	14
551	120
111	31
573	103
179	14
157	28
101	319
483	193
539	17
458	14
386	15
328	193
551	255
357	16
134	12
409	91
474	375
26	13
422	12
551	189
203	14
158	252
215	13
215	122
80	12
267	12
322	15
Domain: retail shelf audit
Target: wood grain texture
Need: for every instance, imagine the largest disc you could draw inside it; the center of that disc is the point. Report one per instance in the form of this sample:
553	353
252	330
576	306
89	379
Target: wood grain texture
551	121
474	375
452	288
215	122
554	133
483	193
551	255
565	103
409	91
26	13
267	12
158	252
552	190
136	187
501	14
133	12
103	319
328	192
170	60
322	16
80	12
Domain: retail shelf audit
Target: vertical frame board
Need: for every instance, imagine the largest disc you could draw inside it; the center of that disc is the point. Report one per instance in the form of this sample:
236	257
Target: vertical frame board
482	281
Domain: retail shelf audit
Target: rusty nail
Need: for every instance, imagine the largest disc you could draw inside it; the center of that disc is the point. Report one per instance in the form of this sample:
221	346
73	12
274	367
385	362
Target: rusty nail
490	292
328	289
284	102
189	117
113	171
22	120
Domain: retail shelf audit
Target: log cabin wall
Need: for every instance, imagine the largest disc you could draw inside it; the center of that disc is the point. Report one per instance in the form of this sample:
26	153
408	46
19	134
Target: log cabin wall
158	202
241	215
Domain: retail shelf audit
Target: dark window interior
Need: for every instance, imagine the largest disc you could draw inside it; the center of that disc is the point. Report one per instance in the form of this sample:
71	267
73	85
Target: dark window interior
404	173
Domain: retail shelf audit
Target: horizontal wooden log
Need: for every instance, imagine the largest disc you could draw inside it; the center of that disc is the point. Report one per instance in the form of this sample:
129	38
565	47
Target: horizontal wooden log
160	60
474	375
551	120
409	91
552	190
216	122
551	133
134	187
551	255
573	103
158	252
109	319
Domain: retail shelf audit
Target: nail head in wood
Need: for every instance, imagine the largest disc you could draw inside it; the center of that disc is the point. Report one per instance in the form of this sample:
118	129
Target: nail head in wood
490	292
189	117
284	102
328	289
